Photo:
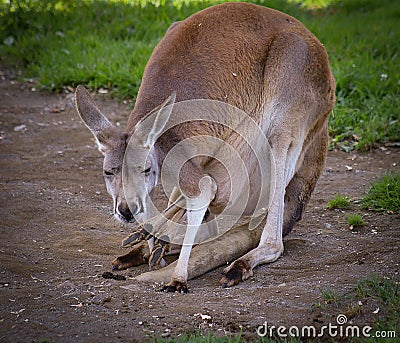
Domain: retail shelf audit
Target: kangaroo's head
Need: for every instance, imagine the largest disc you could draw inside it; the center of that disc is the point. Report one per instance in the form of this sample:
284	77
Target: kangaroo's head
141	175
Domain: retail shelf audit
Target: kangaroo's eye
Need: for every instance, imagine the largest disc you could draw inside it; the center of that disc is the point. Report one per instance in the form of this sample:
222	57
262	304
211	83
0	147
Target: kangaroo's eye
146	171
108	173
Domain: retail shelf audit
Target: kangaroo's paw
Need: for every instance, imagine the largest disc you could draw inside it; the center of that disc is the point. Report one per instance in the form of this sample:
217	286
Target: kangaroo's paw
137	256
161	247
141	234
237	272
176	286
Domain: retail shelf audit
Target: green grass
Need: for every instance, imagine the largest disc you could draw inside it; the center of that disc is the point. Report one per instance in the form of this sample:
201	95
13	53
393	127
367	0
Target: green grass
330	295
386	294
369	294
106	44
384	194
355	220
210	338
201	338
339	202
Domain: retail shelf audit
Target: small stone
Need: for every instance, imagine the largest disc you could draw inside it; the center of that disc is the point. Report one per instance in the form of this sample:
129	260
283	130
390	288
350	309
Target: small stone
20	128
165	334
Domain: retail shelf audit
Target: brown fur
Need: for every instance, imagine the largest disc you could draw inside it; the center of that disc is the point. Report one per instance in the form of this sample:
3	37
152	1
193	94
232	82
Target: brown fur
137	256
263	62
195	61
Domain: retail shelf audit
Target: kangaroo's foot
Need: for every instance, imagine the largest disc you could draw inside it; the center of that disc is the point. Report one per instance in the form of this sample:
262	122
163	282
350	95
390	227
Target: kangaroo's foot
237	272
137	256
176	286
242	268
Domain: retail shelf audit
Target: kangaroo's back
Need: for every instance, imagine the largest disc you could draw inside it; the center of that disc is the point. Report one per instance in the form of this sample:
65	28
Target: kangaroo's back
220	53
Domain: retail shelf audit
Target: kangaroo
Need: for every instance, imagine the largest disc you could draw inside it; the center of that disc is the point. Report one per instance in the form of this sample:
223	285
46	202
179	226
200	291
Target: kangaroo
264	63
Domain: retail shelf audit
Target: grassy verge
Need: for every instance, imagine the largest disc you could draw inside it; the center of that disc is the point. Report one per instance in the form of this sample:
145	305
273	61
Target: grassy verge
200	338
386	292
105	44
384	194
374	301
210	338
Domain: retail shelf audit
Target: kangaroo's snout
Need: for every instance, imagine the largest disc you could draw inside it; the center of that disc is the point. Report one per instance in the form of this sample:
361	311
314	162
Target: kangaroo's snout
125	213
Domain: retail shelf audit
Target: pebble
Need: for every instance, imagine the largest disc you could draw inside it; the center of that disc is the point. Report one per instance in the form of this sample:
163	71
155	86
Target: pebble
20	128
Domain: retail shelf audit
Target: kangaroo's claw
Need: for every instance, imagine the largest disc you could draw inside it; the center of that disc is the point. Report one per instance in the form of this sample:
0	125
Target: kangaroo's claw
176	286
161	247
141	234
132	239
237	272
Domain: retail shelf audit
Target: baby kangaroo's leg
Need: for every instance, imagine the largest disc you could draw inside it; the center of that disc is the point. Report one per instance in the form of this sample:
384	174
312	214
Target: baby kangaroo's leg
196	209
161	244
137	256
154	253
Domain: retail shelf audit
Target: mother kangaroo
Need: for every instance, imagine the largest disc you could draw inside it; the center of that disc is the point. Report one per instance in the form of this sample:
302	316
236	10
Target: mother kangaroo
258	60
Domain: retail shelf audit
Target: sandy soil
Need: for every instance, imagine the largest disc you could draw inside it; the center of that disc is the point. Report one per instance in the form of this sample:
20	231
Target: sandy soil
57	238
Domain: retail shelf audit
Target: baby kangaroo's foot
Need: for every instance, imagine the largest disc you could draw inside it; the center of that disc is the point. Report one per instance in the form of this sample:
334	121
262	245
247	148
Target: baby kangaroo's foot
137	256
161	247
142	233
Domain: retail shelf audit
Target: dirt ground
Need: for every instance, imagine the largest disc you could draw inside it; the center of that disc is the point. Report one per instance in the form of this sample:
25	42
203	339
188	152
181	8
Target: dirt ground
57	238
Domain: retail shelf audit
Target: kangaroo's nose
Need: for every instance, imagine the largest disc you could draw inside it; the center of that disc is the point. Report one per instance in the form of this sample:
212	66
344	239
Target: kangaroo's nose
125	212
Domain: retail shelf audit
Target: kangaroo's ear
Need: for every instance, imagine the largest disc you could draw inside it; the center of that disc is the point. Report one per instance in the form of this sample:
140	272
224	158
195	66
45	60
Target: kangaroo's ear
161	115
106	134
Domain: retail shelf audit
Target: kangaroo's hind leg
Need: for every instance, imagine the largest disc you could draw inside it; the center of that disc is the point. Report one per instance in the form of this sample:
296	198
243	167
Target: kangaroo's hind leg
292	120
297	195
301	186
